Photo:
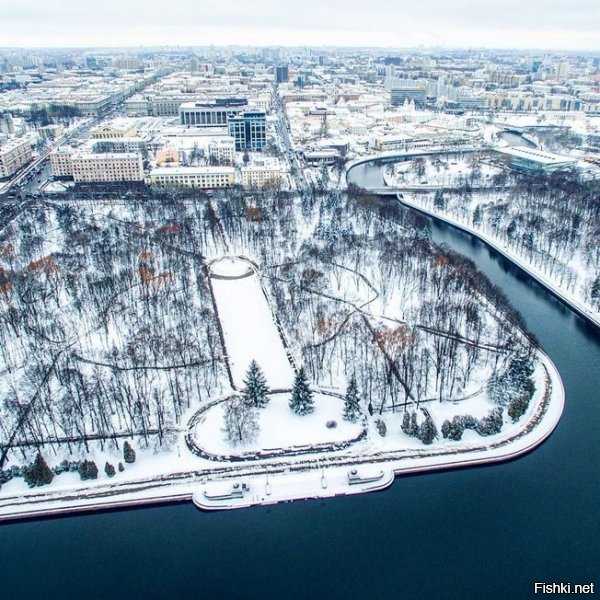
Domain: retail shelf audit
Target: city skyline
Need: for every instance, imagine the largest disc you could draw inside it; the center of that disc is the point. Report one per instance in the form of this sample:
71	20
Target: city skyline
512	24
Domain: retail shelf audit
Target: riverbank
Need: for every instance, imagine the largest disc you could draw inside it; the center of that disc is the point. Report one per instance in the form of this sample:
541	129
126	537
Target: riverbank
579	307
322	475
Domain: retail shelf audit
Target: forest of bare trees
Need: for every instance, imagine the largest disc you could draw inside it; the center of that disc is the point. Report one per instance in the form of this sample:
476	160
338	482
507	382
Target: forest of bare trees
107	328
552	220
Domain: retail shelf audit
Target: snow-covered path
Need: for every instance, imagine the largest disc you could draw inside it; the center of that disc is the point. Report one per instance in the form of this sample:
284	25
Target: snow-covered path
249	328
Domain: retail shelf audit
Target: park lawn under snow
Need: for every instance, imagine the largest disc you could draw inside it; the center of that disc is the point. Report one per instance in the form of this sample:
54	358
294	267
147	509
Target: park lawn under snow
441	172
249	329
279	426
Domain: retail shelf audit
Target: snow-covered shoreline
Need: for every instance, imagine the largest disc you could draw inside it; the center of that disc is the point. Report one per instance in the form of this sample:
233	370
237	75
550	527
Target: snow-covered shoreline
579	307
304	477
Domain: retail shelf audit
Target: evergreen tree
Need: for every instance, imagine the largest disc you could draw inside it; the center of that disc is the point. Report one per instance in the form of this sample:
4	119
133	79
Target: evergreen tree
128	453
302	402
255	386
413	428
121	467
492	423
109	470
427	430
38	473
324	175
406	422
351	405
596	288
88	470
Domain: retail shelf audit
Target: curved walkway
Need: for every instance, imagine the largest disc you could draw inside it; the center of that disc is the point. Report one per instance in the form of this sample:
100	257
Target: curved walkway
196	448
393	156
536	427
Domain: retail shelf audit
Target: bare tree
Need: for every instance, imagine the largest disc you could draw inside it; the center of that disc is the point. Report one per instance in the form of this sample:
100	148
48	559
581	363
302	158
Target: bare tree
241	421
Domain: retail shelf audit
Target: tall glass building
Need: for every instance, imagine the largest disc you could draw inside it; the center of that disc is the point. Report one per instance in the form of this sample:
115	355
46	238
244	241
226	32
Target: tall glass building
249	130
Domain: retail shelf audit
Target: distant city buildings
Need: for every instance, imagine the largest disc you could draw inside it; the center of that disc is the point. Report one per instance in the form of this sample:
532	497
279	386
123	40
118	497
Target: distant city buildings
7	126
281	74
301	109
402	90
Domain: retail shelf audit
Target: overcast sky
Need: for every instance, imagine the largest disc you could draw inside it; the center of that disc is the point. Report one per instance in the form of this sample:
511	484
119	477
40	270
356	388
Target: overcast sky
560	24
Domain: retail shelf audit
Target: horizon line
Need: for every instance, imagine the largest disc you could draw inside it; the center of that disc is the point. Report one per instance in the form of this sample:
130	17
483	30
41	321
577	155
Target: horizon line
419	47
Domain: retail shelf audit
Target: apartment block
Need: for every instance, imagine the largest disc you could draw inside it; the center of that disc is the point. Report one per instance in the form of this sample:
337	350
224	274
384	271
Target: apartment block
195	177
261	173
222	149
14	155
109	167
61	161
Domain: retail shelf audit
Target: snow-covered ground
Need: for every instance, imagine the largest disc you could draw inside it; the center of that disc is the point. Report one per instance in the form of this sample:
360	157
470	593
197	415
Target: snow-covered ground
248	327
279	426
323	474
444	171
330	299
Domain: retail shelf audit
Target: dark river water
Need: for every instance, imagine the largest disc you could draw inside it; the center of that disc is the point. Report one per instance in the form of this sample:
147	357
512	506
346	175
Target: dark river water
485	532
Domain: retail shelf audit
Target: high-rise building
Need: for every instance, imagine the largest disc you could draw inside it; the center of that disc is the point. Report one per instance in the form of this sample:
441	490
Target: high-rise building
249	130
282	73
407	89
562	70
6	124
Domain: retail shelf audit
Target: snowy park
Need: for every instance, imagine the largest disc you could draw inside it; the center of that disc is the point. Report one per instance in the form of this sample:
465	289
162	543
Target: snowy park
317	331
279	428
445	171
